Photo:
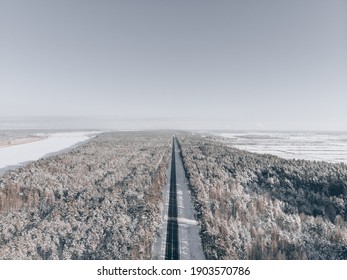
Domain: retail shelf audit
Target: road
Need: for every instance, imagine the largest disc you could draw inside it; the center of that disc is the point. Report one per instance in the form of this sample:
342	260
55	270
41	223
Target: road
179	236
172	249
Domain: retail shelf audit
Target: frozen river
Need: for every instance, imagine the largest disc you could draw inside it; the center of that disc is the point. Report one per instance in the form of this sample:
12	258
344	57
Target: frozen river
329	146
17	154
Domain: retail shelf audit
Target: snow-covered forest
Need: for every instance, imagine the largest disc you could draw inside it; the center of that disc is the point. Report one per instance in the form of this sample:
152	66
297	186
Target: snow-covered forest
254	206
101	200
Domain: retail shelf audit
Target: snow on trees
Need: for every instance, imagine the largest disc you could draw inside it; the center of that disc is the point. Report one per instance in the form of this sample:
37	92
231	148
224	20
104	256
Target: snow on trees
99	201
254	206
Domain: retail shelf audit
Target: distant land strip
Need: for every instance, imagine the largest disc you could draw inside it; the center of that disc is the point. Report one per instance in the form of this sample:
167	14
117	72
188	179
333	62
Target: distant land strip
9	143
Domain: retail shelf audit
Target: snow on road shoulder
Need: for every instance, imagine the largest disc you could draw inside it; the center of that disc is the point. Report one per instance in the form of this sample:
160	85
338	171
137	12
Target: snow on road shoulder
19	154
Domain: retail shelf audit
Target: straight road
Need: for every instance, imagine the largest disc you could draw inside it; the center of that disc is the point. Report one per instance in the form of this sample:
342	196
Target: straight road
178	237
172	240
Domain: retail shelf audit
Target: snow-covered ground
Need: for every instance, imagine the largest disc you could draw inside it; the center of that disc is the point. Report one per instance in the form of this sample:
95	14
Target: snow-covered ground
331	147
18	154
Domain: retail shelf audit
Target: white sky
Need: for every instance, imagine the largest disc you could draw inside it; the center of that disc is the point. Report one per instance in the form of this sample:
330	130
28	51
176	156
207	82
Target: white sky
185	64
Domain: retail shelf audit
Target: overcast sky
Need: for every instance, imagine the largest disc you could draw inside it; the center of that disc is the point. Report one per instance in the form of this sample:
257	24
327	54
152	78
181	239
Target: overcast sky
205	64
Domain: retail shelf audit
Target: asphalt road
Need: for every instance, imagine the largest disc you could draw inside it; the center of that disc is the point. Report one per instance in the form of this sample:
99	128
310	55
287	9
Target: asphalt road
179	234
172	239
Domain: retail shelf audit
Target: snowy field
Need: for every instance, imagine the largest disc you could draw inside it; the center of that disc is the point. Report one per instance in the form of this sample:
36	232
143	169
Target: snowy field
17	154
330	147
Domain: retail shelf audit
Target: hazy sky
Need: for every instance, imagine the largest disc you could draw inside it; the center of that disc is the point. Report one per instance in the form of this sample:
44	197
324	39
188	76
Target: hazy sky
205	64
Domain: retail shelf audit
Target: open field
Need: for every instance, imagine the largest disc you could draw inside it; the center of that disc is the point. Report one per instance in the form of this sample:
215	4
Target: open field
328	146
25	146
